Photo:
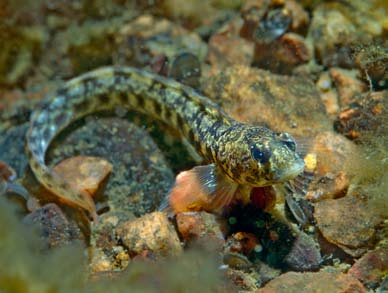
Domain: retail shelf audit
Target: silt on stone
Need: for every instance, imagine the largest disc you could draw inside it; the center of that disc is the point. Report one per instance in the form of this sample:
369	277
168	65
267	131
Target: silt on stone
150	233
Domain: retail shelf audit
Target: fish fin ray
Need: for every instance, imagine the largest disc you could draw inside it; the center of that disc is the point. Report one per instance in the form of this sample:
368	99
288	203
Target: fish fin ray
200	188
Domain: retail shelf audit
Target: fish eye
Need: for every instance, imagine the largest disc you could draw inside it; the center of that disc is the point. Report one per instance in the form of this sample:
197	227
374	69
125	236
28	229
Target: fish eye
288	140
259	155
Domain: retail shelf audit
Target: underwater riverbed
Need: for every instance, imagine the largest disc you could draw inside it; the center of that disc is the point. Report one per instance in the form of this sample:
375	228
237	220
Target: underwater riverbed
316	70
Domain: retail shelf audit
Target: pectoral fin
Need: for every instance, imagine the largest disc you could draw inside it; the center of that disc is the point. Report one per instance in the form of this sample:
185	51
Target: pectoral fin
201	188
297	188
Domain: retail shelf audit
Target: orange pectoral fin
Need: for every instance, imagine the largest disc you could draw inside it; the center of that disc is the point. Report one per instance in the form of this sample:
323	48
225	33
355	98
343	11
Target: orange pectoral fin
201	188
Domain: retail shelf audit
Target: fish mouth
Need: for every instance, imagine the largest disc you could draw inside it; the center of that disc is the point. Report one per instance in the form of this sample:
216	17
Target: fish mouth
290	173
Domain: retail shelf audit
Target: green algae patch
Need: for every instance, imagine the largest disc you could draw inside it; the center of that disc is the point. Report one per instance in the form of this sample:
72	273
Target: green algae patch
369	168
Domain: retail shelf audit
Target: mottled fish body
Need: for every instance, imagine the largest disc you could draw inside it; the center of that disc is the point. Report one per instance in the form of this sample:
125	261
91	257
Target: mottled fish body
238	154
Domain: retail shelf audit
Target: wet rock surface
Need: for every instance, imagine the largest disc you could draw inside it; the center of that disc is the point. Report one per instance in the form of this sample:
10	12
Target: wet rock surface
347	84
109	259
355	232
283	55
304	254
331	175
150	234
326	282
200	229
85	173
295	103
227	47
243	280
135	158
54	227
148	37
371	267
364	117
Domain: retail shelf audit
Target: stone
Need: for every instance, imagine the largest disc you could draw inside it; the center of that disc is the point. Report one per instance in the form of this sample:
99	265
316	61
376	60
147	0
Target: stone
141	177
304	254
372	60
293	282
283	54
150	233
330	99
200	228
103	234
347	223
331	175
284	103
371	268
244	243
85	173
329	95
100	262
108	259
226	47
347	84
299	16
365	118
244	281
139	41
266	272
334	30
54	228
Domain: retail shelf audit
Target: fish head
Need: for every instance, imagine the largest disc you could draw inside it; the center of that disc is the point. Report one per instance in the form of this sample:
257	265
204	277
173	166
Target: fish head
262	157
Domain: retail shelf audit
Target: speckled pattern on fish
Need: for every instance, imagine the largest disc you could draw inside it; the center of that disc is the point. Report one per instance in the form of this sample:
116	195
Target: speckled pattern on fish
238	153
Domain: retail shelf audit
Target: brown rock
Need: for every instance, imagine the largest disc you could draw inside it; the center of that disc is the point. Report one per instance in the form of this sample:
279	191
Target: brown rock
266	272
253	11
304	254
364	119
313	282
243	280
300	17
331	176
103	234
139	41
152	232
227	47
201	228
332	32
282	55
54	227
372	61
100	262
330	100
243	242
84	173
114	258
346	222
338	255
337	30
371	268
329	96
284	103
347	84
272	26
